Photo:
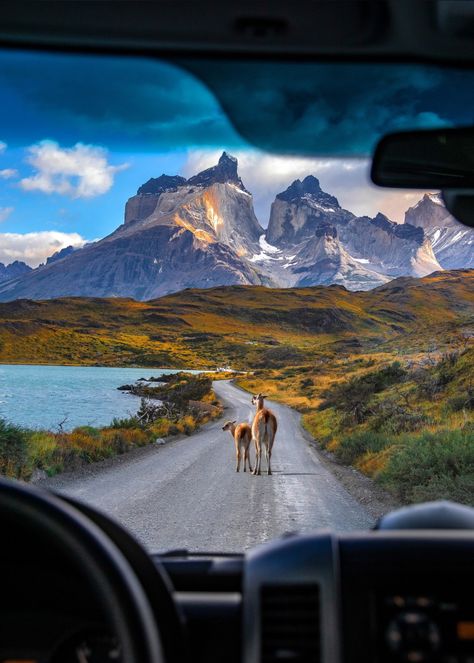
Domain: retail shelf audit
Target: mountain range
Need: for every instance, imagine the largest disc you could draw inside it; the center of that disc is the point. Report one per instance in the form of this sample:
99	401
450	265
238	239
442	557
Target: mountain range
202	232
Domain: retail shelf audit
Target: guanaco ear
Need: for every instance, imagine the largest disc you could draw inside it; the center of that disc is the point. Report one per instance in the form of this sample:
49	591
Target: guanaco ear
263	396
234	422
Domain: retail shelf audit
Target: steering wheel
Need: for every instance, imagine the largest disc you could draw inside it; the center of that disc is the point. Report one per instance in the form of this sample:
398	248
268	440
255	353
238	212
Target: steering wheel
46	520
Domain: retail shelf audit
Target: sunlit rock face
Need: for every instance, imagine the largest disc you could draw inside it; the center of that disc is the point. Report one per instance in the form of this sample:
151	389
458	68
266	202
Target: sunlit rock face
214	205
452	242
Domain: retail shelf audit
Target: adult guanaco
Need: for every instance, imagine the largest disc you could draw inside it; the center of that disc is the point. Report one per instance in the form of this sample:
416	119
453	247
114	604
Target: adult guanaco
242	434
264	428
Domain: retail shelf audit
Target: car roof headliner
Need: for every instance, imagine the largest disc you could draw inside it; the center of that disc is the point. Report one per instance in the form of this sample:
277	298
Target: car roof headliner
437	30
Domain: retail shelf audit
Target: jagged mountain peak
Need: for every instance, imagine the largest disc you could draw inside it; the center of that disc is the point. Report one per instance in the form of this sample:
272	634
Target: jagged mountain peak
298	212
59	255
308	192
400	230
157	185
226	170
307	189
13	270
429	212
430	198
383	221
298	189
225	156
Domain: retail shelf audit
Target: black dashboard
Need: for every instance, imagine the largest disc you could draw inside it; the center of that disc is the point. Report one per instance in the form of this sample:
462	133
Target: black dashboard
391	596
373	597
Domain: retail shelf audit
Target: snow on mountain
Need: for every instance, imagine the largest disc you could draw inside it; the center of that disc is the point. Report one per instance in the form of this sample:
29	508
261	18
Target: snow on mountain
452	242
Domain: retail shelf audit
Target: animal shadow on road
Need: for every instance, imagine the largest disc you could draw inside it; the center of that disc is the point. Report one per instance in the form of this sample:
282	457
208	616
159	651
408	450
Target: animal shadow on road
294	474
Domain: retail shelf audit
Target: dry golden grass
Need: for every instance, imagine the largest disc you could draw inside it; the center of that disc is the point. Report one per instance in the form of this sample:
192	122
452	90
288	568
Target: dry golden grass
238	325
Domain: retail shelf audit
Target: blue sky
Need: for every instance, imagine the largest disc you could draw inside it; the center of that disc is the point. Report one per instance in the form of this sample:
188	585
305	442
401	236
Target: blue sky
92	216
81	134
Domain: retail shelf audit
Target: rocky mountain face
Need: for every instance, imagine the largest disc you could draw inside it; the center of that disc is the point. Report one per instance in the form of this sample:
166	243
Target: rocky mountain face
453	243
202	232
14	269
321	242
59	255
214	205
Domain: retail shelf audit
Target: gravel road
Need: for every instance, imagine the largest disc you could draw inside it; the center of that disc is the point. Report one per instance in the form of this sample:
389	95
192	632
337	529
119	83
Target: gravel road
186	493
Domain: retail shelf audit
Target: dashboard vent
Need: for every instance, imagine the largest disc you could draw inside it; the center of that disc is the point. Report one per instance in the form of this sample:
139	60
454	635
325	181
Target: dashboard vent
290	620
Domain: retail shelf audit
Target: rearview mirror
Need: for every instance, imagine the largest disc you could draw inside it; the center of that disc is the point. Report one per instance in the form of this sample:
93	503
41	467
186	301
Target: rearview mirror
439	159
460	203
432	159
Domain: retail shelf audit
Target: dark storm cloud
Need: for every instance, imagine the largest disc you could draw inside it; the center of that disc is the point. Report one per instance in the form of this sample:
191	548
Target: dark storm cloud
146	105
337	109
125	103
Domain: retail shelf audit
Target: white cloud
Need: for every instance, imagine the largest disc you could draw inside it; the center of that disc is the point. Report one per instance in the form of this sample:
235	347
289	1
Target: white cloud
265	175
33	248
5	213
82	171
8	173
3	146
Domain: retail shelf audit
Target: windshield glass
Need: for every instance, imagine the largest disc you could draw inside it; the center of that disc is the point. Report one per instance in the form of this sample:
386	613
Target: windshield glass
217	344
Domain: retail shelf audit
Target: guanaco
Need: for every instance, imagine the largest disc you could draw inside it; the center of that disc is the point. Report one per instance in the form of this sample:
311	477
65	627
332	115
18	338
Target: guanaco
242	434
264	428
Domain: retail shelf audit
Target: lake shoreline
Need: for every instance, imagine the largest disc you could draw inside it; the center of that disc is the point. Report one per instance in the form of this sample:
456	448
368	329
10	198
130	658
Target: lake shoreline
188	402
59	397
134	366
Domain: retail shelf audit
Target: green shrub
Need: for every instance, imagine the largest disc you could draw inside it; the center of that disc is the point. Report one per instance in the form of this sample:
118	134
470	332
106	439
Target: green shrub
353	397
392	418
178	390
436	379
87	430
41	449
354	446
14	459
307	382
128	422
430	465
463	401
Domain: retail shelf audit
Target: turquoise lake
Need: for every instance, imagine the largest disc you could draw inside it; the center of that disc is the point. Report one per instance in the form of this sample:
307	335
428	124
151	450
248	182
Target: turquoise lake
43	396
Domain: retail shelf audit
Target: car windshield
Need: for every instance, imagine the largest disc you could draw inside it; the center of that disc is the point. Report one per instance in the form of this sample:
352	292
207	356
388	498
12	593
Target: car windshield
213	327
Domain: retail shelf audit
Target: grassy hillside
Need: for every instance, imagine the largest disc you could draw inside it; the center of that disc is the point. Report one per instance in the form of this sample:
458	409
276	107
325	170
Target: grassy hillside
246	327
384	379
